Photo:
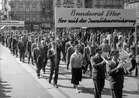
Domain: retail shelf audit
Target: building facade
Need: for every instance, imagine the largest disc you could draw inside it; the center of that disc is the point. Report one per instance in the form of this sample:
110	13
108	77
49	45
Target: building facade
133	4
69	3
112	4
33	12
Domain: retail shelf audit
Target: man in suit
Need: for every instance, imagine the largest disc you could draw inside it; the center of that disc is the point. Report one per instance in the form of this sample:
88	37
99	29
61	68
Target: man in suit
21	47
28	49
54	56
99	70
38	59
116	73
70	51
45	56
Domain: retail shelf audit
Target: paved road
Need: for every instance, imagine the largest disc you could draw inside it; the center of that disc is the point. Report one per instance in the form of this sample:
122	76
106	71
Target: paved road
19	80
15	81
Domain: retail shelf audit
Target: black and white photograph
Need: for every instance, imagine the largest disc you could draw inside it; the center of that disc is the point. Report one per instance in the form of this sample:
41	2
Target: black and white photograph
69	48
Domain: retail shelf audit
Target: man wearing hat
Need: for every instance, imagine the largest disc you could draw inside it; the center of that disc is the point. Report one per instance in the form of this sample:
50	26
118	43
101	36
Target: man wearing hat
116	73
99	70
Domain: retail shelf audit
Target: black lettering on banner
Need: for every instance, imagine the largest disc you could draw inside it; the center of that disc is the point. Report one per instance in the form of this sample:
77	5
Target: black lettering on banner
82	21
106	20
113	13
61	20
75	20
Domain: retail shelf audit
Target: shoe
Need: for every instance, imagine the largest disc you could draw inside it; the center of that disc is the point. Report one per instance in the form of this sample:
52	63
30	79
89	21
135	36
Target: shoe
49	82
38	77
55	85
74	86
78	91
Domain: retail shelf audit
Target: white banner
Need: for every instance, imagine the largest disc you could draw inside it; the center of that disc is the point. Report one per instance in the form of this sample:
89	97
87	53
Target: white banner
12	23
82	17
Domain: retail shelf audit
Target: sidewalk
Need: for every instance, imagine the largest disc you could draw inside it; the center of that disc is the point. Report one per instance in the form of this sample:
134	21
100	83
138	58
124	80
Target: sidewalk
65	88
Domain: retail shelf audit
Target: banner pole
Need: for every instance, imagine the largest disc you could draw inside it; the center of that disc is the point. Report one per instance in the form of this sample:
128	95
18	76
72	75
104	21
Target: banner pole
55	37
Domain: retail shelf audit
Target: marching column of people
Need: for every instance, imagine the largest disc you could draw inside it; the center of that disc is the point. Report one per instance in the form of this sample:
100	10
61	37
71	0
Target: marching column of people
78	54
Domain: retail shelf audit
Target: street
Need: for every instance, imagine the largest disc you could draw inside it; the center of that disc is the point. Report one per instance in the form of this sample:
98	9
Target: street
19	80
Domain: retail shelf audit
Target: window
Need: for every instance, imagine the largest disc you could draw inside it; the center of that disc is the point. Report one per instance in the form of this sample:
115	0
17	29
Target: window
78	1
34	18
88	4
38	9
34	7
21	7
38	17
27	18
138	6
27	7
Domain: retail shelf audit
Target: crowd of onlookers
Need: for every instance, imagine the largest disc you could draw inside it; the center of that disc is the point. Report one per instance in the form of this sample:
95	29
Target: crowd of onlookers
39	47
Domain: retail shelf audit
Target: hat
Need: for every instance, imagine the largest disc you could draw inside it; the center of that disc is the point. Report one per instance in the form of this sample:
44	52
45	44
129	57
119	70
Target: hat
98	50
114	52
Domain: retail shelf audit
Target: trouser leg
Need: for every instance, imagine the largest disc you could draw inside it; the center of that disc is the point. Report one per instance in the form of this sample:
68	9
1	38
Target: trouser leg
43	68
29	57
116	93
56	74
51	72
20	54
38	69
99	85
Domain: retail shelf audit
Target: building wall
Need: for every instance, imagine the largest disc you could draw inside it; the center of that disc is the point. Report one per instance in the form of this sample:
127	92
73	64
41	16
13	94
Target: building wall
28	10
69	3
115	4
133	5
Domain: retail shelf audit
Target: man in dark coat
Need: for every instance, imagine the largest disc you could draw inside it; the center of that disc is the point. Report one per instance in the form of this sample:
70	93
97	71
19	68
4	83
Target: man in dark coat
70	51
93	48
115	39
54	56
28	49
21	47
116	73
14	45
45	56
99	70
37	59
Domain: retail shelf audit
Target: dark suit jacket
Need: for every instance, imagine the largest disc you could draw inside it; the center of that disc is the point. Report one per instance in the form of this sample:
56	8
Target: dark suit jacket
99	69
28	46
116	76
36	54
21	47
70	51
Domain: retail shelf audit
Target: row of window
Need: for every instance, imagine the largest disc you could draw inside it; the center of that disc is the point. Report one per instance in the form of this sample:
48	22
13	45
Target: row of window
31	18
34	7
110	2
27	0
68	1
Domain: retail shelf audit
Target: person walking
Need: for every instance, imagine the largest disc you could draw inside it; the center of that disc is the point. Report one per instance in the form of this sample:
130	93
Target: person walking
76	67
21	47
70	51
38	59
54	56
28	49
99	71
116	74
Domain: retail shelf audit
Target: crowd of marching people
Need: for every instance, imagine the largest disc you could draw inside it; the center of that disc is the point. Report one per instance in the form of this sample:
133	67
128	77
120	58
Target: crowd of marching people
86	50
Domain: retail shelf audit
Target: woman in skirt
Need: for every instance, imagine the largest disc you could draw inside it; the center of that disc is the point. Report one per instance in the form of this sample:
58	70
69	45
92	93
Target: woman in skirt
76	67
